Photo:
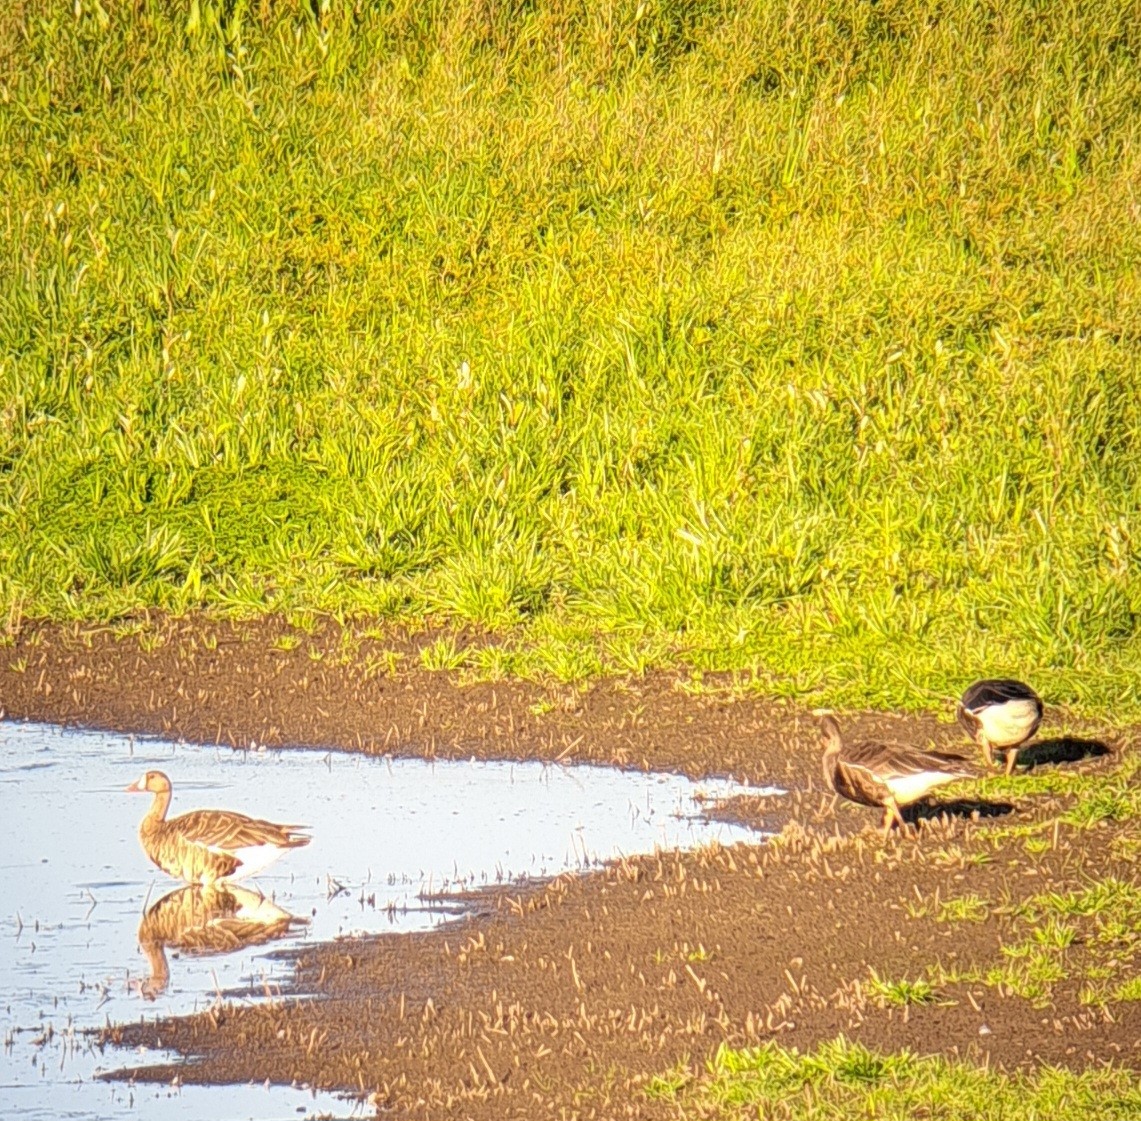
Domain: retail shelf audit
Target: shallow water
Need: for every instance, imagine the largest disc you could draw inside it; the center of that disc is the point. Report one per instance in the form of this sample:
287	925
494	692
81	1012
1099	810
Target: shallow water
388	836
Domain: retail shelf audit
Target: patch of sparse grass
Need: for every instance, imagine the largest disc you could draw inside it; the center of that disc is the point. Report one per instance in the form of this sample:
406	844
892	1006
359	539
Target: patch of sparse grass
900	993
1095	796
956	856
1105	897
1118	800
1054	935
1092	934
492	663
964	908
636	654
1032	967
569	659
384	664
305	621
1130	990
442	654
1030	974
838	1081
804	348
1126	846
665	1087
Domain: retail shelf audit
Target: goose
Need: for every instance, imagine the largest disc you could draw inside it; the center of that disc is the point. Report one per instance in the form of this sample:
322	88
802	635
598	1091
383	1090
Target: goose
204	846
218	919
888	775
1001	714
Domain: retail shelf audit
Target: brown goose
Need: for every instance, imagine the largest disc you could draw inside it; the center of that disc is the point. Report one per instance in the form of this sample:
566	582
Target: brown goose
203	846
217	919
1000	713
888	775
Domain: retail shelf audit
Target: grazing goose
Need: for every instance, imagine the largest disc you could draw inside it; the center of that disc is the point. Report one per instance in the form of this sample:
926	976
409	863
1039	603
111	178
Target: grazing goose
888	775
207	845
218	919
1002	714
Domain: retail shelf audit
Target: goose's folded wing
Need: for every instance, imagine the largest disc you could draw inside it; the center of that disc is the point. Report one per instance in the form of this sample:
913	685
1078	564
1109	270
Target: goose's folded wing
223	831
886	761
987	693
909	773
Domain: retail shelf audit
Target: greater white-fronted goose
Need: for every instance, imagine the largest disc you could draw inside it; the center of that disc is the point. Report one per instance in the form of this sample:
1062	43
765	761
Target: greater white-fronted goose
888	775
217	919
203	846
1001	714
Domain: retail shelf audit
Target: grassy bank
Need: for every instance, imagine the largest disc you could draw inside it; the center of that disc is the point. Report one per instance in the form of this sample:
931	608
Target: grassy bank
802	339
841	1080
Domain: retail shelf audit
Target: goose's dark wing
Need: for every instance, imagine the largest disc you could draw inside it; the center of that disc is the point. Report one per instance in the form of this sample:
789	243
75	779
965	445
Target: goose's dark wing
984	694
891	760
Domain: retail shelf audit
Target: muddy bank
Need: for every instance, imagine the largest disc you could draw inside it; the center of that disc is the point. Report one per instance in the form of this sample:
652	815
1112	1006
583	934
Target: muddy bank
564	1000
567	1000
264	682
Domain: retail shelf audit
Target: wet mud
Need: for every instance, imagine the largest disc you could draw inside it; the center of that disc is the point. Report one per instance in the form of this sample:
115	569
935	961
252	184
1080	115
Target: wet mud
564	999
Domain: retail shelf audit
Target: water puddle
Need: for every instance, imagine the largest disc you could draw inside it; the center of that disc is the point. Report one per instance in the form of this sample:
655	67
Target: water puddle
91	933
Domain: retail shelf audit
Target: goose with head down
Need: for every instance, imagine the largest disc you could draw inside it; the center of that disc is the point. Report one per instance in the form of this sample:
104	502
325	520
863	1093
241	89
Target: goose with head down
205	846
882	774
1001	714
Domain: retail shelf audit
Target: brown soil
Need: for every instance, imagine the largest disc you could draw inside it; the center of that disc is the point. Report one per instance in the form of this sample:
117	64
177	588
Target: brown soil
564	999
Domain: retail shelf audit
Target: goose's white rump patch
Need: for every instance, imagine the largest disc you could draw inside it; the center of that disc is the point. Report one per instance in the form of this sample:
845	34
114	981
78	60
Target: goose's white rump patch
1007	723
256	908
910	788
254	858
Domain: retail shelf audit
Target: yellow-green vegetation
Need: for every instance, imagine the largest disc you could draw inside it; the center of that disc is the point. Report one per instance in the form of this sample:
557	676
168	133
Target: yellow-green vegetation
1092	797
840	1080
1091	936
798	338
964	908
899	993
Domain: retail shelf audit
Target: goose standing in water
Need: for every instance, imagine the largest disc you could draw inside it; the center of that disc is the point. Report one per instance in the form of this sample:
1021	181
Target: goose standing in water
1001	714
888	775
204	846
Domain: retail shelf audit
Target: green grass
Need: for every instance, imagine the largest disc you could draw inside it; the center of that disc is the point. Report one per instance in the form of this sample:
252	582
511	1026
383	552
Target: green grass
1091	935
964	908
899	993
1130	990
1094	796
798	341
1110	895
841	1080
442	654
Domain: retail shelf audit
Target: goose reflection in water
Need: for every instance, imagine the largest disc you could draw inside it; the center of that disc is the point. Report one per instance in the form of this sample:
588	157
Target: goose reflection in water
204	920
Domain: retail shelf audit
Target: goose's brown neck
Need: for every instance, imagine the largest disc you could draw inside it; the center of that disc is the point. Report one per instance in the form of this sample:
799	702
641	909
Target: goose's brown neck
156	815
157	982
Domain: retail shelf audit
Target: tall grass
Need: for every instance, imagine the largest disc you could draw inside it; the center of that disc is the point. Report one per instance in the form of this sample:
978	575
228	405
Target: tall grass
800	337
